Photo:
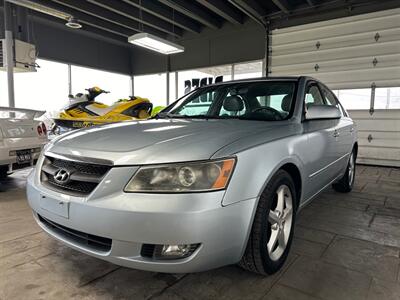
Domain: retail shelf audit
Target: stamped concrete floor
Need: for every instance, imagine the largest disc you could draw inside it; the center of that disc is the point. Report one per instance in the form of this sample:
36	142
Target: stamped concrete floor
345	247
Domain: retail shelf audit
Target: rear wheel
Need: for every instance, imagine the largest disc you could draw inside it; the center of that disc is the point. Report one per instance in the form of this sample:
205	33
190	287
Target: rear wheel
346	183
3	172
272	232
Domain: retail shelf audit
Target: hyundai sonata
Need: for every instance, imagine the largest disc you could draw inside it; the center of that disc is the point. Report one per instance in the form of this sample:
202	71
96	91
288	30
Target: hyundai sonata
216	178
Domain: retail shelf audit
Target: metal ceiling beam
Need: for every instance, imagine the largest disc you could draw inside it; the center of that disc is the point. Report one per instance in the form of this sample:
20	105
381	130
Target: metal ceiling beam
87	9
312	3
187	8
252	9
90	19
167	14
283	5
89	30
224	10
128	11
326	10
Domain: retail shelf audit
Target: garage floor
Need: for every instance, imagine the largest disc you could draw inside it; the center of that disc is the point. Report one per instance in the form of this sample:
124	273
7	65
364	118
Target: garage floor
346	247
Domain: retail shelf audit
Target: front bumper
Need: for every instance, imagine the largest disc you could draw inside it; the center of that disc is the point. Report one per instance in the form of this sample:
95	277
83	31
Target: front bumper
132	219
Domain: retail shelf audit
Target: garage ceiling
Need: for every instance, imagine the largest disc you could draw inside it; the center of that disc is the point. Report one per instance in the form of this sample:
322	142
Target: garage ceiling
173	19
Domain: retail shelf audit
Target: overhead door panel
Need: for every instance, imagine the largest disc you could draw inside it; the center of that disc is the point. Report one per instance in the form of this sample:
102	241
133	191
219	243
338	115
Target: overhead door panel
351	52
378	136
355	52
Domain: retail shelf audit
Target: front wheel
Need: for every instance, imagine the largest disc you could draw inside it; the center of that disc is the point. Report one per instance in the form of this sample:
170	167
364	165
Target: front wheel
346	183
272	232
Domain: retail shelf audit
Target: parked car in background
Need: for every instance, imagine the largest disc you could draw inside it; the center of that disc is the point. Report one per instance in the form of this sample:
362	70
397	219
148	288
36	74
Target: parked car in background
22	138
216	178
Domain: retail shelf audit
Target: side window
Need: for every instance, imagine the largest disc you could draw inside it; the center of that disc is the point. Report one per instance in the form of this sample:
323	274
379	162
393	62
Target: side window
330	99
328	96
313	96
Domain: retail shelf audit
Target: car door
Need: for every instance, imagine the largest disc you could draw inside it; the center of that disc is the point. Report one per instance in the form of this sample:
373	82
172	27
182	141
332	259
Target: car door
344	130
322	144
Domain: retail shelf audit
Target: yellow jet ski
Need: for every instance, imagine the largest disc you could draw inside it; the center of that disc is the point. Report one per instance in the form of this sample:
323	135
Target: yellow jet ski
84	111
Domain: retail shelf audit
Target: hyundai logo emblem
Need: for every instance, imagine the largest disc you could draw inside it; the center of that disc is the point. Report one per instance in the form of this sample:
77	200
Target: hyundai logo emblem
62	176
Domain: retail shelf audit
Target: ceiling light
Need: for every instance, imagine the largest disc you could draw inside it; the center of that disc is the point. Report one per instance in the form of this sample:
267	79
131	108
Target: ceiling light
73	23
155	43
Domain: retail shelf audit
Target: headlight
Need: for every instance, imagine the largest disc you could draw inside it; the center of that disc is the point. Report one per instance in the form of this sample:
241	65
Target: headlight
183	177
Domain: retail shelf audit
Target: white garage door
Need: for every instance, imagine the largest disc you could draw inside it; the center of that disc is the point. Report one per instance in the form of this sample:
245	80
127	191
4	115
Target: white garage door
350	53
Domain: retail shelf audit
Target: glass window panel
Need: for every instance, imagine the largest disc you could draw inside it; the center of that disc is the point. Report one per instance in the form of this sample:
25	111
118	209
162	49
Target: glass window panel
248	70
46	89
153	87
117	84
354	98
3	89
196	76
172	94
387	98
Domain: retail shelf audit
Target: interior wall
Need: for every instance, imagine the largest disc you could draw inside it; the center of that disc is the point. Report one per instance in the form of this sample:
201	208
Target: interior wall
231	44
54	41
57	42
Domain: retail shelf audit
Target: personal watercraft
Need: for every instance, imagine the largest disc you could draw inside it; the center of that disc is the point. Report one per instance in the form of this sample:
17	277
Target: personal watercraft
84	111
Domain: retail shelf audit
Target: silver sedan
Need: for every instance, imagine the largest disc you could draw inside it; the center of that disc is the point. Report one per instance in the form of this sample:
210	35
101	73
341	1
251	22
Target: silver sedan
216	178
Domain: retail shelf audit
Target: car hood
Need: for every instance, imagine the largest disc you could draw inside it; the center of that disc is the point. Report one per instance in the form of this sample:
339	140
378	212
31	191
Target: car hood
158	141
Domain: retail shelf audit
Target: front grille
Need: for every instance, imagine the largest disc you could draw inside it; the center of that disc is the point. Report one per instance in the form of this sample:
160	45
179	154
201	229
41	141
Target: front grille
80	167
75	186
82	178
85	240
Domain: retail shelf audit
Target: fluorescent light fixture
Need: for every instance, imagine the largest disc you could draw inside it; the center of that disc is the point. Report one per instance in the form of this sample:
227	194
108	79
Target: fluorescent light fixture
152	42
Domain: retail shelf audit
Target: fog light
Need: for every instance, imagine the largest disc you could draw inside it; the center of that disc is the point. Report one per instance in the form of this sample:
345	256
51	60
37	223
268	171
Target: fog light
168	251
175	250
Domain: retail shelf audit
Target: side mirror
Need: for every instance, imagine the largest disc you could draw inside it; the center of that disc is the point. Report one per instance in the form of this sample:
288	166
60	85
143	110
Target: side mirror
321	112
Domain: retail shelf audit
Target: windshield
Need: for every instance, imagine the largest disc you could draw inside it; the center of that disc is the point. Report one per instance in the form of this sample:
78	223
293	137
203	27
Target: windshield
264	100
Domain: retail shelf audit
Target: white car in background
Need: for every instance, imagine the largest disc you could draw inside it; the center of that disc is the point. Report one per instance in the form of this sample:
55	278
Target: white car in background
22	138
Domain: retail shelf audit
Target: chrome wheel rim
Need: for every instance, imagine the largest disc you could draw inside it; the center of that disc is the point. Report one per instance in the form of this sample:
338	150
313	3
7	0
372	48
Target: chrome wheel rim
280	222
351	170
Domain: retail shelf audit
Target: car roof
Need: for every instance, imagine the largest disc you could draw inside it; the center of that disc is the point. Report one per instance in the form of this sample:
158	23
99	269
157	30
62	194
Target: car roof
271	78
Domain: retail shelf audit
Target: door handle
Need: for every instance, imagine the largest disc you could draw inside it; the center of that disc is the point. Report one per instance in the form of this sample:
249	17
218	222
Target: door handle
352	129
336	133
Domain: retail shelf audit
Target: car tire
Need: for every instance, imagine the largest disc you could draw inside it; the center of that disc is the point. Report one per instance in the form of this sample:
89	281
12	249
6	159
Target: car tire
3	172
346	183
272	231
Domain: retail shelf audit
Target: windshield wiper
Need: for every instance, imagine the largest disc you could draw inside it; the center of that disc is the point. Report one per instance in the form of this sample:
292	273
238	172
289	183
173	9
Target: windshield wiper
164	116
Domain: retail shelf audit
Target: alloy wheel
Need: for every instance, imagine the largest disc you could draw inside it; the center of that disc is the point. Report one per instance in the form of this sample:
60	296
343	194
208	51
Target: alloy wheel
351	169
280	222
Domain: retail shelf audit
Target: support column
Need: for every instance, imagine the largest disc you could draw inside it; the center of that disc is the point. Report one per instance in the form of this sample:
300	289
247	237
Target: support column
168	97
232	71
9	52
168	71
69	80
176	86
132	87
267	55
